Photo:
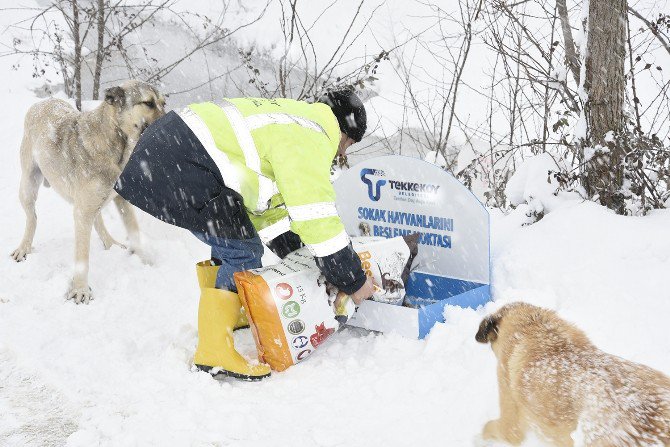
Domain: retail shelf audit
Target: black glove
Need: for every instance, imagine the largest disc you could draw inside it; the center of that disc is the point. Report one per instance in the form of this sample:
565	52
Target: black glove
285	244
343	270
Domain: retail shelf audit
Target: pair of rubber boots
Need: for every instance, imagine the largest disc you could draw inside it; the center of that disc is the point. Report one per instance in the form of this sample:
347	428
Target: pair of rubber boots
219	314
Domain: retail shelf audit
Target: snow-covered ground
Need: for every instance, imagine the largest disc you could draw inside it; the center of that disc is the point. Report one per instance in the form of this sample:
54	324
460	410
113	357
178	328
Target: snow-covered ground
117	372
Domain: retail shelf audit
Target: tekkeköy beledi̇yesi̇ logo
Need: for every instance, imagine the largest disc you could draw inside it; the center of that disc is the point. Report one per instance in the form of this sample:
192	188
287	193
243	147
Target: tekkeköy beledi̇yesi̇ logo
375	185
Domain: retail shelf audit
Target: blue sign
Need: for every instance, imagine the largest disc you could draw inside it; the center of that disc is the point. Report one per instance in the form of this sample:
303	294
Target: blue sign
393	196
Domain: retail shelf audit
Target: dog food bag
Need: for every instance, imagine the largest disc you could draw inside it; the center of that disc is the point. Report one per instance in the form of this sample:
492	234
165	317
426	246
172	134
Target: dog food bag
388	262
291	309
288	309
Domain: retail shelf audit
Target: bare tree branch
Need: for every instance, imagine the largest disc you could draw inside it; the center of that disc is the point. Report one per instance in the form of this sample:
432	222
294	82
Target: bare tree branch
571	57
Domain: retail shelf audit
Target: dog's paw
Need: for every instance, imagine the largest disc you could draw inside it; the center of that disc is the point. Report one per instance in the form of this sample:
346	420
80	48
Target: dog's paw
503	431
490	430
80	295
20	254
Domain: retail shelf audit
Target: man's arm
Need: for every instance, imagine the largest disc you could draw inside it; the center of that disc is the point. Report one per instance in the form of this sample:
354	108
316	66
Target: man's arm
302	173
343	269
288	242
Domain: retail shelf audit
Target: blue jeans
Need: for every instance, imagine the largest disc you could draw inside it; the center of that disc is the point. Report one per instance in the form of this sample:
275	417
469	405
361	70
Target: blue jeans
234	255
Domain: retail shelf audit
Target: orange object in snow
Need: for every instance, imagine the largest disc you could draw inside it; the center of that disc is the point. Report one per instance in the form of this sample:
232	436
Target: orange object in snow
264	320
290	309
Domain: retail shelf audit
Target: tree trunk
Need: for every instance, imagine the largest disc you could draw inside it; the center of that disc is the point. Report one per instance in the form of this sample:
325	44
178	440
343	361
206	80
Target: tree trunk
100	53
77	54
605	85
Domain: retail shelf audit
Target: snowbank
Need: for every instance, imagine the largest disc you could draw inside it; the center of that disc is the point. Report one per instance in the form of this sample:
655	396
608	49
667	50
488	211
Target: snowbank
117	372
533	184
534	191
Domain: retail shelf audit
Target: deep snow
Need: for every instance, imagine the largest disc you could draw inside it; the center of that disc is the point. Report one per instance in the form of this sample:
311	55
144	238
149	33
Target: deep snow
117	372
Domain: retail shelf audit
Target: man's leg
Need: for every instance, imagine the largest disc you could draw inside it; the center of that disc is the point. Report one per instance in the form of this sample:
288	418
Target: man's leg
233	255
220	310
171	176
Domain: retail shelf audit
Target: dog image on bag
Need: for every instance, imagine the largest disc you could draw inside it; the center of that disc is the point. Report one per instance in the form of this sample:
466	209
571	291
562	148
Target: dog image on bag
81	155
553	379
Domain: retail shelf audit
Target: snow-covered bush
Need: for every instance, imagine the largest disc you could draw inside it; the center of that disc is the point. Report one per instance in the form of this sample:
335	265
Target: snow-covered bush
534	188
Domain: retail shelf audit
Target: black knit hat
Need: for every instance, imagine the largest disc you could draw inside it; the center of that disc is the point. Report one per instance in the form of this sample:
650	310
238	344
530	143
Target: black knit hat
349	111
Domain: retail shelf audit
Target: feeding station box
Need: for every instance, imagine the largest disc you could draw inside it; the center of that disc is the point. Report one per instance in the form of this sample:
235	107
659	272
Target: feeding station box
395	195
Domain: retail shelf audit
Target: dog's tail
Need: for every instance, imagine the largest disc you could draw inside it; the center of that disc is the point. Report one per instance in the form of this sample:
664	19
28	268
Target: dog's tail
46	184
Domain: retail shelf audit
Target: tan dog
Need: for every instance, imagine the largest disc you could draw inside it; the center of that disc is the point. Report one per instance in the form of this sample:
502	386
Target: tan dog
81	155
551	378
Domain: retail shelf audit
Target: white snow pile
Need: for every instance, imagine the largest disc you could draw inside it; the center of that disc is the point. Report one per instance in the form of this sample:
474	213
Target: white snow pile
533	190
118	372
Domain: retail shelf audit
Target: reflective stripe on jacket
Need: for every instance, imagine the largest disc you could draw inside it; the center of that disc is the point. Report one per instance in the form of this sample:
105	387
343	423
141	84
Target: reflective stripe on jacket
277	154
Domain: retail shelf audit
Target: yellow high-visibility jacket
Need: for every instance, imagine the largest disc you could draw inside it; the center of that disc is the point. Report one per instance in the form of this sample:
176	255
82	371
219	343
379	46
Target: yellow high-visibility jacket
277	154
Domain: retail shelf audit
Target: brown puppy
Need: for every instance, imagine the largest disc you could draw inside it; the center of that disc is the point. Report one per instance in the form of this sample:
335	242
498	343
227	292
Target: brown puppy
81	155
551	378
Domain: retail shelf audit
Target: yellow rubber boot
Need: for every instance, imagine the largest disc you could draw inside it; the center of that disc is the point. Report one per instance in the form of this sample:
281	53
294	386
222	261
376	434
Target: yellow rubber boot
207	271
217	314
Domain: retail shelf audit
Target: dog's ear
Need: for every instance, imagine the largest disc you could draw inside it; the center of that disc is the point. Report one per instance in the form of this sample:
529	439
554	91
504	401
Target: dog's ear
488	329
115	96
